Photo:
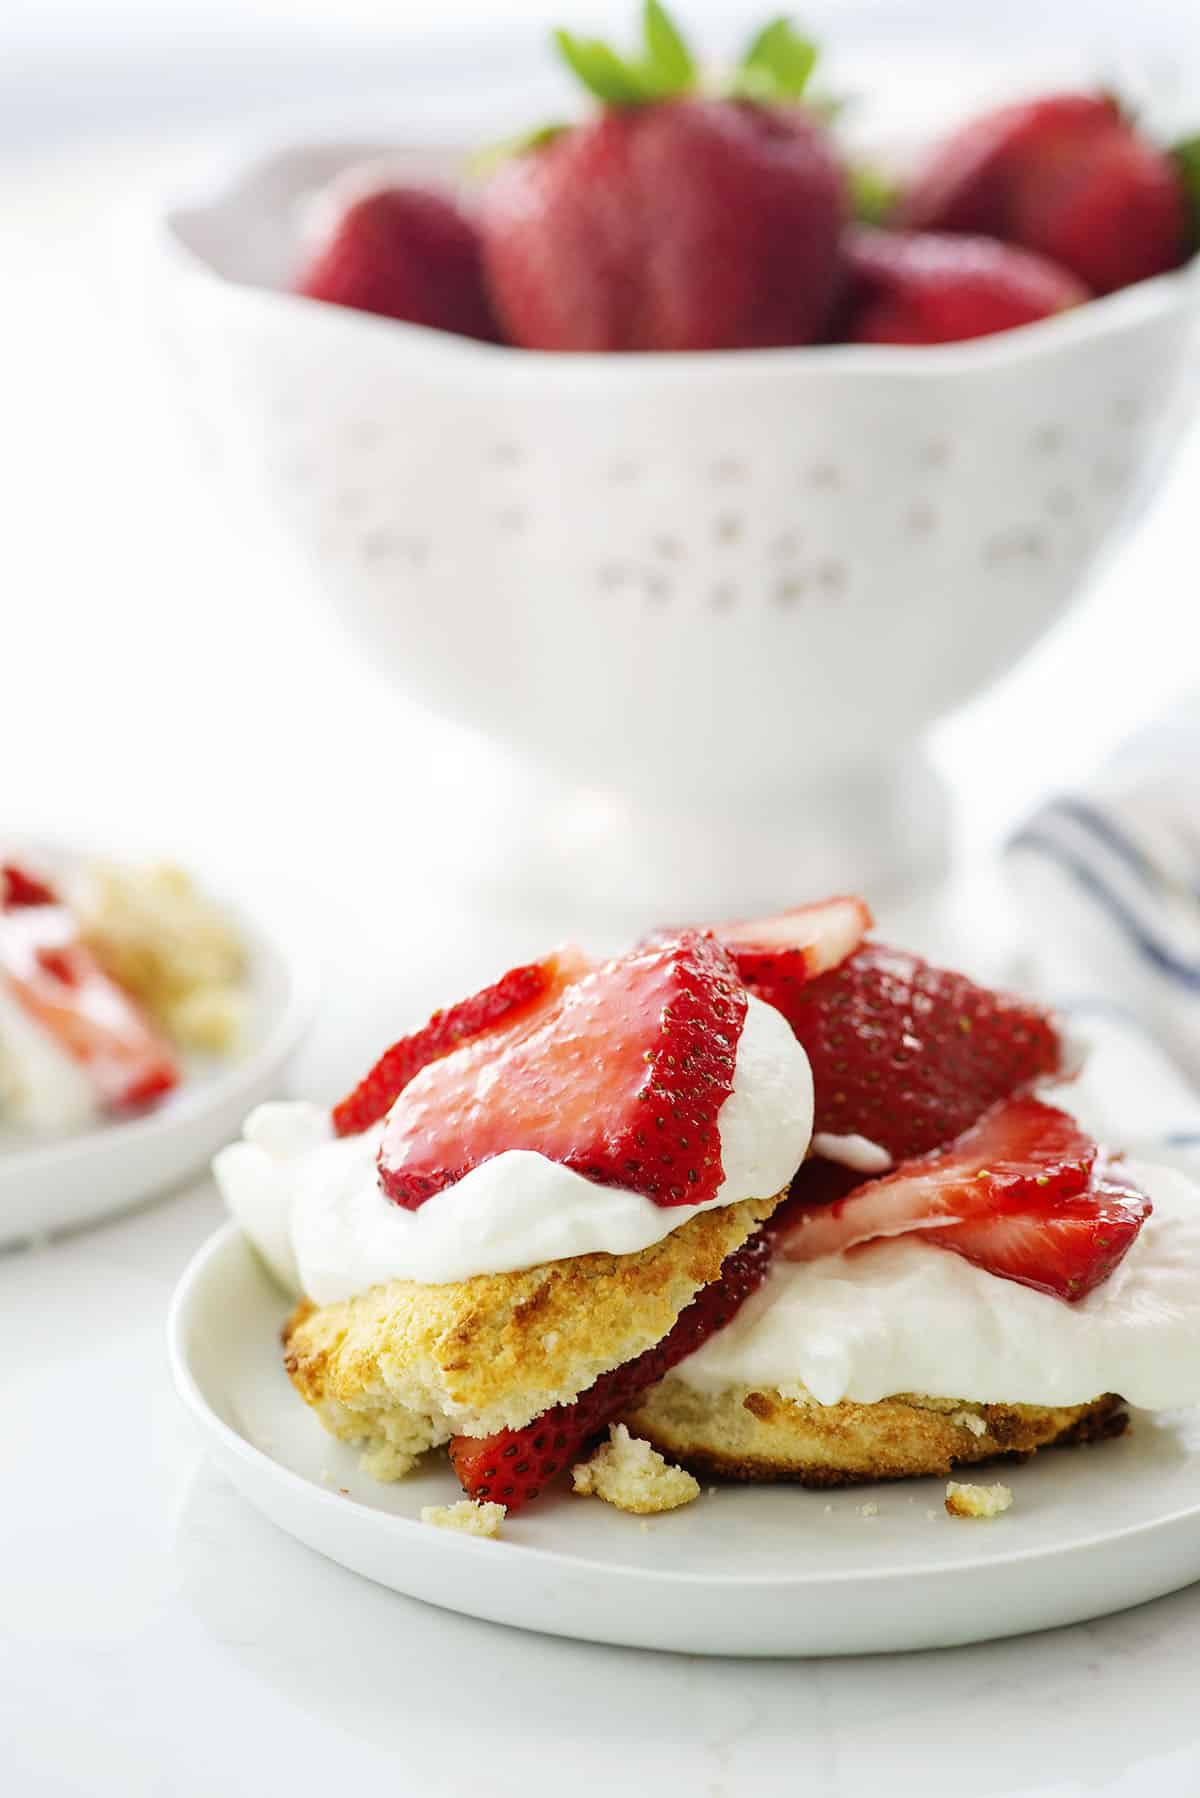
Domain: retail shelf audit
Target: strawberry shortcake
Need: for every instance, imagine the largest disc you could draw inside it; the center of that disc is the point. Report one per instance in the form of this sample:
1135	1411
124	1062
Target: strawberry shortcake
773	1198
74	1045
109	977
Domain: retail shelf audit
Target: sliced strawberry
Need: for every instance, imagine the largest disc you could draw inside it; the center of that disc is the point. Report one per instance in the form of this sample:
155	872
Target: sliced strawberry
513	1466
514	998
1067	1250
1020	1150
58	981
1021	1194
909	1055
777	955
621	1079
19	887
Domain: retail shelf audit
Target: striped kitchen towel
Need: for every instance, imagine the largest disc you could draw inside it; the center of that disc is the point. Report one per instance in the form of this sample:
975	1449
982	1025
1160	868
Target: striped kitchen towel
1106	881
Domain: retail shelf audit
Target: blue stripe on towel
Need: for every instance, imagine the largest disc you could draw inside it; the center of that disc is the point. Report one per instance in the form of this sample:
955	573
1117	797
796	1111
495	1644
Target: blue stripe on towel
1100	826
1148	945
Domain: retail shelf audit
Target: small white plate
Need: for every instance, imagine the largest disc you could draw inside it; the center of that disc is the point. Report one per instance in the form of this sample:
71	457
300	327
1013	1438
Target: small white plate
49	1183
744	1570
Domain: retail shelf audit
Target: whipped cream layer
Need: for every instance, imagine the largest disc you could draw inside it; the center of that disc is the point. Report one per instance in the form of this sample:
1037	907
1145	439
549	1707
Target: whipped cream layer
903	1316
313	1206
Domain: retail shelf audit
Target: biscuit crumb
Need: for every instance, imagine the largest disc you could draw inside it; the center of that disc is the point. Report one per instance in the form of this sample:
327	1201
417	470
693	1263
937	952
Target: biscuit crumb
868	1510
977	1501
628	1473
469	1516
969	1420
932	1515
829	1510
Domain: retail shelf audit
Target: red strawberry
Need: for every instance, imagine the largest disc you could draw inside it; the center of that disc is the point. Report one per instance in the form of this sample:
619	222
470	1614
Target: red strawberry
1067	1250
671	222
513	1466
683	225
909	1055
1020	1194
1119	216
1019	1152
19	887
59	983
922	287
817	1182
407	254
1064	175
622	1080
508	1001
777	955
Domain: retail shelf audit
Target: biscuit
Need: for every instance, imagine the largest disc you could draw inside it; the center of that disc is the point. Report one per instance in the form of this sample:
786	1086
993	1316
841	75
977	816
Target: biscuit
742	1434
405	1366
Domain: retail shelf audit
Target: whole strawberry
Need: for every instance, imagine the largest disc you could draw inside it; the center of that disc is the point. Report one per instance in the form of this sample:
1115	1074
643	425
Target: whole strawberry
910	1055
671	221
926	287
1066	175
405	253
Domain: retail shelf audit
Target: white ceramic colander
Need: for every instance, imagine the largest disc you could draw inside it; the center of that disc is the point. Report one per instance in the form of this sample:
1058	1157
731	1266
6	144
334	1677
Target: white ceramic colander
728	590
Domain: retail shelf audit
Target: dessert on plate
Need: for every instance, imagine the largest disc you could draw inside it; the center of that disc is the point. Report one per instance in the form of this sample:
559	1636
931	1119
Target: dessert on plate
109	978
773	1198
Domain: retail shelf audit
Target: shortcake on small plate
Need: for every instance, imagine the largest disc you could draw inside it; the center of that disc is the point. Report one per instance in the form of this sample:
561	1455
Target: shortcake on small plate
109	976
139	1019
773	1198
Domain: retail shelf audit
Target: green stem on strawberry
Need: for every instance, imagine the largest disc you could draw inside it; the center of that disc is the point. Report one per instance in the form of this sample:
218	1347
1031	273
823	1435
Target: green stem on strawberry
774	68
482	163
873	194
776	64
663	69
1186	157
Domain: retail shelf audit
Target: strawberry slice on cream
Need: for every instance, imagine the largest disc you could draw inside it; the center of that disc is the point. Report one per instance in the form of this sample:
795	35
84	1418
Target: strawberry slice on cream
1024	1194
621	1079
513	1002
54	980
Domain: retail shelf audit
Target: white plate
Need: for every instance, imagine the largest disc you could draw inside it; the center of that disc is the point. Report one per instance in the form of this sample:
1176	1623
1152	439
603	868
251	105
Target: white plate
55	1183
744	1570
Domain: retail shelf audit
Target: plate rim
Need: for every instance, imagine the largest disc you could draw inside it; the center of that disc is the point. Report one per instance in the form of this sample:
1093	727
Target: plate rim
189	1292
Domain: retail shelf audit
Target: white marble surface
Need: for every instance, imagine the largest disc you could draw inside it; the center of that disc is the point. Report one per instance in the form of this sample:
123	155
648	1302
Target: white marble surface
157	1639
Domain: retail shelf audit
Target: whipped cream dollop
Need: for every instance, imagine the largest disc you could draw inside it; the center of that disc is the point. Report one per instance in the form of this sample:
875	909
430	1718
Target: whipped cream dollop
312	1204
903	1316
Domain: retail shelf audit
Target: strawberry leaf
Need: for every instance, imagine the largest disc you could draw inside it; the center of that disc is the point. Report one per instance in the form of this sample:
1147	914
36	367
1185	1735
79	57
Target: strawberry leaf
1186	157
488	159
872	193
777	63
669	63
605	74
